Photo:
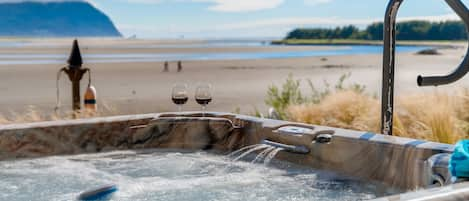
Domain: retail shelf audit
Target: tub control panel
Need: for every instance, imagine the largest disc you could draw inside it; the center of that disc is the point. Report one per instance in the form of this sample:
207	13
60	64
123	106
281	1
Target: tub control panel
294	130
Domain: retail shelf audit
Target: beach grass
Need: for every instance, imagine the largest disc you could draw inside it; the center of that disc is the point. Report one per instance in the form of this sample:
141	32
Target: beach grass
33	114
438	116
432	117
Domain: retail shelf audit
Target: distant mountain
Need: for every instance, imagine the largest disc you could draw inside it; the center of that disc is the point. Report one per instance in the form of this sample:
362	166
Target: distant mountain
54	19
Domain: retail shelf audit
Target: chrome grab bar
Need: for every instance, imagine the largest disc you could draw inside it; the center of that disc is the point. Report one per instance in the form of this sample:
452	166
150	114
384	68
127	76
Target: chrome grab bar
387	97
463	68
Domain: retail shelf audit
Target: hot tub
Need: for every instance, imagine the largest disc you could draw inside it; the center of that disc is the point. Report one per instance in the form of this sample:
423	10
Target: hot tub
183	156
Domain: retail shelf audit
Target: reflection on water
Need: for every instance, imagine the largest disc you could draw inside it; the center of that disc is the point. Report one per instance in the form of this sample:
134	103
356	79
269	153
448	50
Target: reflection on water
172	176
6	59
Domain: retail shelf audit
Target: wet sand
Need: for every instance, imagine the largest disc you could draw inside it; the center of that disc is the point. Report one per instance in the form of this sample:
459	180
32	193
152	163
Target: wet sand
143	88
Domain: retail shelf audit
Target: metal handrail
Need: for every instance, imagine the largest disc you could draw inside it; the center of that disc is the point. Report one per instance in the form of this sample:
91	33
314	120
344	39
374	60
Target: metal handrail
387	97
463	68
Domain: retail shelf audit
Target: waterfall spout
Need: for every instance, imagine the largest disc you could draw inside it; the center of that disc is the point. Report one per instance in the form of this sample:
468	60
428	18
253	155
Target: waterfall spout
298	149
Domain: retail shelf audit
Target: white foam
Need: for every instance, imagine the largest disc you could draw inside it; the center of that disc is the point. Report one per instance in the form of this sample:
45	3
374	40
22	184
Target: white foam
164	176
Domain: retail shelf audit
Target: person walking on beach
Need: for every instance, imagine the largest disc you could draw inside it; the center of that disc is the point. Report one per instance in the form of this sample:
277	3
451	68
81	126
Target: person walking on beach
179	66
166	67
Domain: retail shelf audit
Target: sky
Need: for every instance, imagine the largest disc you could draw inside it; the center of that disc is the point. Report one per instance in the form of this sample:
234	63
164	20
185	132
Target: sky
252	18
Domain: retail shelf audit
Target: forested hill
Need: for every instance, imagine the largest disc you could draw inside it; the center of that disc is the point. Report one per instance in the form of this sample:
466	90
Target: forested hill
54	19
411	30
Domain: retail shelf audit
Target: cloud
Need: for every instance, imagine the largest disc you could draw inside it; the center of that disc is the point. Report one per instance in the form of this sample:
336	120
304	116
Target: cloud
296	21
275	27
316	2
433	18
225	5
144	1
326	21
241	6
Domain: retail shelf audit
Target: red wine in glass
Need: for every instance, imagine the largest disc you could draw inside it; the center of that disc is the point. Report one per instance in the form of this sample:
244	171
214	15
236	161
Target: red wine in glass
180	100
203	95
179	95
203	101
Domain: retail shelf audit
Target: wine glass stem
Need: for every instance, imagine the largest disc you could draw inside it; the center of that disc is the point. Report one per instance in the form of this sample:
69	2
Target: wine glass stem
179	108
203	110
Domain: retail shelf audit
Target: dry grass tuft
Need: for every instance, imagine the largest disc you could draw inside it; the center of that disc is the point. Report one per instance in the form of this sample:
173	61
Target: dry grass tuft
344	109
435	117
429	116
35	115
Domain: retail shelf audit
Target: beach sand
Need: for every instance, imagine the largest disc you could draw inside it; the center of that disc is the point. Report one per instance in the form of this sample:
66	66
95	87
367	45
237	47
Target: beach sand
131	88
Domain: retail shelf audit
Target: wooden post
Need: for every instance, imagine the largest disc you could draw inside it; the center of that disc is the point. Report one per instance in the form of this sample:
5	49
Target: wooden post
75	73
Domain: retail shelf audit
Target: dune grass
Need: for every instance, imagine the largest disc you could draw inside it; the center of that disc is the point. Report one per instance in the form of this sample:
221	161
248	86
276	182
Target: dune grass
33	114
437	116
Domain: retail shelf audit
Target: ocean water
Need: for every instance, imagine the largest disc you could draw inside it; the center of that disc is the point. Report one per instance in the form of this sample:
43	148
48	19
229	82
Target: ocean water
172	176
8	59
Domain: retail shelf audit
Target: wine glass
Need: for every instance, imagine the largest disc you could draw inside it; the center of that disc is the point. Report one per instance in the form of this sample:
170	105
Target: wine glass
203	95
179	95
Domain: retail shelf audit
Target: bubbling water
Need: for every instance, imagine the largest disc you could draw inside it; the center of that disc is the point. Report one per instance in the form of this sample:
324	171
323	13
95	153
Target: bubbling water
172	176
